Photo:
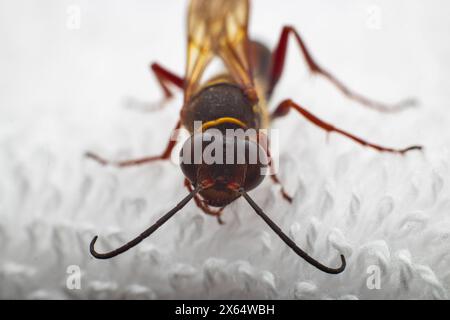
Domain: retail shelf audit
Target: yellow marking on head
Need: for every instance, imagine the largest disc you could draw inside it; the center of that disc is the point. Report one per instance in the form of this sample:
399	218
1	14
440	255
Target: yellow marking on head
220	121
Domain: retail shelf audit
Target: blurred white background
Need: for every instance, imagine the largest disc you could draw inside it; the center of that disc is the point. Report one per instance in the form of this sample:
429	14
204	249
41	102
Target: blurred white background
63	88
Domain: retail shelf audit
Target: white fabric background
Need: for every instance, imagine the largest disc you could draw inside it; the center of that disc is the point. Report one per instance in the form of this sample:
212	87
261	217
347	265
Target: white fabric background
64	91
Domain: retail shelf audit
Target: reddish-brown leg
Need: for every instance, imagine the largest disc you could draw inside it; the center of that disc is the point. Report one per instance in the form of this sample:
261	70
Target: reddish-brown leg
203	206
130	163
166	77
285	106
283	192
277	181
278	62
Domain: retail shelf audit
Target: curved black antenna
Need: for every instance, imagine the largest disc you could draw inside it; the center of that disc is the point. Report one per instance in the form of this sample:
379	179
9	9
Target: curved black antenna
146	233
289	242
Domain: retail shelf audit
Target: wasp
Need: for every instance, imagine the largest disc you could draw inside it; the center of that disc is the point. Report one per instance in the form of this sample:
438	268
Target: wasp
237	98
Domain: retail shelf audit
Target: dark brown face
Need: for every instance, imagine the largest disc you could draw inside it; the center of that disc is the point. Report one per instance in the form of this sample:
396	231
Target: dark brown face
225	163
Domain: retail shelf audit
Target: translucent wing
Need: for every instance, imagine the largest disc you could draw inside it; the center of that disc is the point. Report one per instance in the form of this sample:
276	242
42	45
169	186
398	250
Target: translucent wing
218	28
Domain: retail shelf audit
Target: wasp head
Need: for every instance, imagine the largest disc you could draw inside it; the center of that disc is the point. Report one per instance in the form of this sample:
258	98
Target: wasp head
223	163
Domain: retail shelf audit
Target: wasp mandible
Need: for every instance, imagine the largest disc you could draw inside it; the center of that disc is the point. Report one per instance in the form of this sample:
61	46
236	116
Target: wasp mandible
235	99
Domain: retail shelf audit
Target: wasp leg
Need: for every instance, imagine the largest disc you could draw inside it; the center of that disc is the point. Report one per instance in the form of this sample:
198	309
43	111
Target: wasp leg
283	192
203	206
278	61
165	77
130	163
285	106
277	181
